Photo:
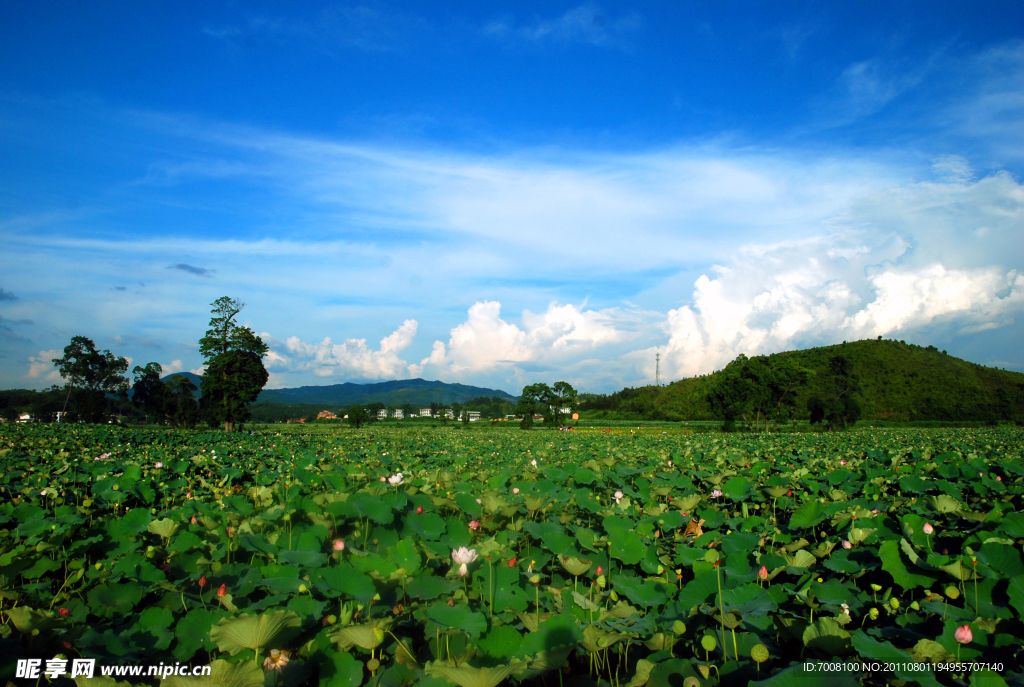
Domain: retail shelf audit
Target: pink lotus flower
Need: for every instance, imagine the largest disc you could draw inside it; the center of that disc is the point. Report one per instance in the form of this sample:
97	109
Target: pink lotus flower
474	524
463	557
928	529
383	478
515	490
231	531
188	495
276	661
63	611
419	509
338	545
479	500
963	634
842	462
618	496
533	462
670	463
763	572
846	609
223	590
158	465
512	563
193	520
600	570
847	545
716	493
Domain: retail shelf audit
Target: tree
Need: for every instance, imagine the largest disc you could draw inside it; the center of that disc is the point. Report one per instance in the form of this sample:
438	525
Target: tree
149	392
94	373
408	411
373	409
180	404
840	405
563	397
357	416
234	373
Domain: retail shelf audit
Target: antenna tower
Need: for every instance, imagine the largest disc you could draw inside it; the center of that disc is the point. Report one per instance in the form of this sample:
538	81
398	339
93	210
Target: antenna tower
657	369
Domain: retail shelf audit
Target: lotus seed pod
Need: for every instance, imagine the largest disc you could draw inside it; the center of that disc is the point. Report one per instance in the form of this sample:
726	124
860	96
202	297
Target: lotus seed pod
287	517
372	665
876	587
952	592
704	670
708	642
332	619
759	653
915	606
679	627
303	589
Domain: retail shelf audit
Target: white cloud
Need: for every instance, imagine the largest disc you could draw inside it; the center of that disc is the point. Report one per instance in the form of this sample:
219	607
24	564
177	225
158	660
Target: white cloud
485	341
41	366
172	367
586	23
352	359
200	371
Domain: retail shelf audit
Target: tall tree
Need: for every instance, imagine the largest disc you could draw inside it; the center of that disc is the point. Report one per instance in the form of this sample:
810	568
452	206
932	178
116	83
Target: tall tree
180	404
149	392
527	405
564	400
93	372
234	373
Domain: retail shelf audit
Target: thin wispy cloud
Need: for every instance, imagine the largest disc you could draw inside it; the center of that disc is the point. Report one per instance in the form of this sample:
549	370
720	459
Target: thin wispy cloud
588	24
373	27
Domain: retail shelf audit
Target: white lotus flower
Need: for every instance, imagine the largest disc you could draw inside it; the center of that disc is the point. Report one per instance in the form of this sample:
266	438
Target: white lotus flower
618	496
395	480
463	557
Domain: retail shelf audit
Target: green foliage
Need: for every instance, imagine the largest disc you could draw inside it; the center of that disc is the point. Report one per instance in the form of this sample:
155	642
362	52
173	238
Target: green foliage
897	382
234	373
174	544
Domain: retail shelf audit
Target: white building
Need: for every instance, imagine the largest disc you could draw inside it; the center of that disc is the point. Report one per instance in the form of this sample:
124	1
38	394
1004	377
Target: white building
382	414
424	412
398	414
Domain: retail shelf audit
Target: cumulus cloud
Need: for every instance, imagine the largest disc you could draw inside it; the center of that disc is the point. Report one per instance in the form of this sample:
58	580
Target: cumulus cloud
347	360
486	341
941	257
41	366
172	367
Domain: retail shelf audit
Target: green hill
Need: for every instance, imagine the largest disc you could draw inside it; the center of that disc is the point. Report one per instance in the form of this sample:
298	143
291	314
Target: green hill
899	382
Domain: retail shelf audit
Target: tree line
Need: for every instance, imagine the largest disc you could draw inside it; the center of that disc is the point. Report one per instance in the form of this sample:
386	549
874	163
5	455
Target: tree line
96	387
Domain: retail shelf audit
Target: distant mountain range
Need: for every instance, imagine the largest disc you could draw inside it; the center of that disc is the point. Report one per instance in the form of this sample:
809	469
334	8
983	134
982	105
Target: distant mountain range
418	392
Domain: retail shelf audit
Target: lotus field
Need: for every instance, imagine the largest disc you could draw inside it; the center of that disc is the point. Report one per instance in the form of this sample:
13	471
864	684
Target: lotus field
486	556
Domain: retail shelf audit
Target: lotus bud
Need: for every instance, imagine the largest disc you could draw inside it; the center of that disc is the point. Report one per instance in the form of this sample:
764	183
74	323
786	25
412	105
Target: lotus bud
223	590
847	545
928	529
339	545
419	510
763	572
963	634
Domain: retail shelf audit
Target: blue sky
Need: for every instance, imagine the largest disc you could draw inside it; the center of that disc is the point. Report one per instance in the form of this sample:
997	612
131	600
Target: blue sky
502	193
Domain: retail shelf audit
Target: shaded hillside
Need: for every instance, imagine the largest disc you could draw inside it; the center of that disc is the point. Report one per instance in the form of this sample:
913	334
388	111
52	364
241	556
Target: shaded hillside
899	382
416	392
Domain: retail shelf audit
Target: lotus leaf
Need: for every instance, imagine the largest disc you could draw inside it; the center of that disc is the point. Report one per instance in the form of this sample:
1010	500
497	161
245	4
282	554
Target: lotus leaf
253	631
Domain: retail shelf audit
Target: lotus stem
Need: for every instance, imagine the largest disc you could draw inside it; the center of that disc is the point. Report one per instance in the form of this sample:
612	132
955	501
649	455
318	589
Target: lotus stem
721	606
